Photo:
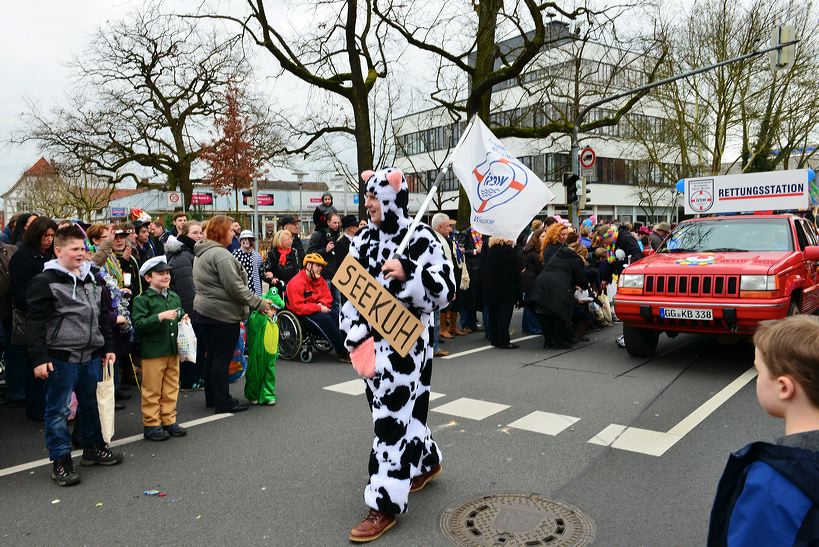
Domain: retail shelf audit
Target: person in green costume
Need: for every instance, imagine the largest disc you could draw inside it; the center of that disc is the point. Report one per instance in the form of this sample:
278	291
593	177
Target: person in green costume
263	351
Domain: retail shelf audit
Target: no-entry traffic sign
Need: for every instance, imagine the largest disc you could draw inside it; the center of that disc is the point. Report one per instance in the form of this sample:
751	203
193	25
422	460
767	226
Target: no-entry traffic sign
587	157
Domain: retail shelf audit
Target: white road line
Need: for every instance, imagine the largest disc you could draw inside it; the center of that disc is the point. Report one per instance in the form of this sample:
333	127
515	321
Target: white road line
117	442
656	443
546	423
484	348
474	409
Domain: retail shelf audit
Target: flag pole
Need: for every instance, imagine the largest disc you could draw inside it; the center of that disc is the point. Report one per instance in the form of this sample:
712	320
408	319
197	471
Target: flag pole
432	191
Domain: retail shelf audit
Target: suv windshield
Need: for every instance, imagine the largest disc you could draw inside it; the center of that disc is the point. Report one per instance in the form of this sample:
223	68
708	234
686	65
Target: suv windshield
730	236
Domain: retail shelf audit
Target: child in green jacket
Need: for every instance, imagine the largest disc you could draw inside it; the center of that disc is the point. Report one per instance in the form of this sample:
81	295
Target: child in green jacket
155	316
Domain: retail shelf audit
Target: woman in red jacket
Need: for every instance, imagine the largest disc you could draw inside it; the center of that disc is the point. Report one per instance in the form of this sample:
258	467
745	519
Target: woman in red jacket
309	296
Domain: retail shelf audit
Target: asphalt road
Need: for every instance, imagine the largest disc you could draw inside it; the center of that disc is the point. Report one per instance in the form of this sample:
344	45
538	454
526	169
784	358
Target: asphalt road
293	474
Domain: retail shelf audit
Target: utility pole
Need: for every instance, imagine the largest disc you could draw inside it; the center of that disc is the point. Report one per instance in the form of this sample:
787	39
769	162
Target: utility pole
573	207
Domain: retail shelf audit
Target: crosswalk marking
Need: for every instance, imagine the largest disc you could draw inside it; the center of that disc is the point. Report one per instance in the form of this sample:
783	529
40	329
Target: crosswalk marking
547	423
473	409
353	387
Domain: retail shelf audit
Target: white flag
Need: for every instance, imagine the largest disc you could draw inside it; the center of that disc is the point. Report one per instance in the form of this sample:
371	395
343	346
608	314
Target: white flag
504	195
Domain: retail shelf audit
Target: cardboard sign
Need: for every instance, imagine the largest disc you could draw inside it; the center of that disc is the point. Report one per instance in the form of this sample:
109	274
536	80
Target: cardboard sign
775	190
378	307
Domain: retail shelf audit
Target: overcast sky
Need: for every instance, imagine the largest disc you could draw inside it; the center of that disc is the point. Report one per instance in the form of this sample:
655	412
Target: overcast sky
36	40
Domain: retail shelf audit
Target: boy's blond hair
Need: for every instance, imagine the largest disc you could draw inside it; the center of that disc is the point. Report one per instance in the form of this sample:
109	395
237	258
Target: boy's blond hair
791	347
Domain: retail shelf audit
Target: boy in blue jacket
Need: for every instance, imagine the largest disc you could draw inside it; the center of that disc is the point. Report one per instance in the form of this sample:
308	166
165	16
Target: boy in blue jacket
769	493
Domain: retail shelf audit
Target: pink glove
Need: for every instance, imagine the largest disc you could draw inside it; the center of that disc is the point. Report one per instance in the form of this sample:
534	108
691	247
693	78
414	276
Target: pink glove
363	358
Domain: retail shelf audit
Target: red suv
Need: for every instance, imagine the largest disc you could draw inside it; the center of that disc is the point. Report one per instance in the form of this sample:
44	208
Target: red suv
720	275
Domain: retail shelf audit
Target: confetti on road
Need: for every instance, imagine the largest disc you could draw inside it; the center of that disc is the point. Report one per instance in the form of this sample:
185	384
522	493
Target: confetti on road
53	502
99	504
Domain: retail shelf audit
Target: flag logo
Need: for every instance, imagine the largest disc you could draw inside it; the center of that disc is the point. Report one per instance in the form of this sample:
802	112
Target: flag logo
499	180
504	195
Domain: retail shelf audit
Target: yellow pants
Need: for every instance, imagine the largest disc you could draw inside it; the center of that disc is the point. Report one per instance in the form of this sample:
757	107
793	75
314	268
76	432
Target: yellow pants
160	390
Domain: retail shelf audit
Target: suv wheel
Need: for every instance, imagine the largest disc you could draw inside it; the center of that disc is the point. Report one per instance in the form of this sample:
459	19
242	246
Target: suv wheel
794	308
640	342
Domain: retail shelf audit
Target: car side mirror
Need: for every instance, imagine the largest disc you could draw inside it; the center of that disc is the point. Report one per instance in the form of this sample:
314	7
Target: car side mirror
811	252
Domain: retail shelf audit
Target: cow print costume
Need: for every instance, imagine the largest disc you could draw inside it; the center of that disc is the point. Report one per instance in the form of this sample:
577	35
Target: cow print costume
399	393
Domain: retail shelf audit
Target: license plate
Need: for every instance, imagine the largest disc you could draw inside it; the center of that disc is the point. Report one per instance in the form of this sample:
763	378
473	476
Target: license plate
687	313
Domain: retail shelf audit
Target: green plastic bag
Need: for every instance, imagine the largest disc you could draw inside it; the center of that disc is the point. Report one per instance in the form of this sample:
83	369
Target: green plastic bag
263	351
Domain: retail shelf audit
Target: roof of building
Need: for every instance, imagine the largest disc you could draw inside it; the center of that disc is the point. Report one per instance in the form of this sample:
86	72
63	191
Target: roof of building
126	192
40	167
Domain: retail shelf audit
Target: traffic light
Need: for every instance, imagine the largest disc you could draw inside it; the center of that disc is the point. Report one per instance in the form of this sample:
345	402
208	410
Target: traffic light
570	182
583	194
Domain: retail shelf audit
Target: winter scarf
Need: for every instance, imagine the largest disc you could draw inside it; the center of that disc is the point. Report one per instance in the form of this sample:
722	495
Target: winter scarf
283	255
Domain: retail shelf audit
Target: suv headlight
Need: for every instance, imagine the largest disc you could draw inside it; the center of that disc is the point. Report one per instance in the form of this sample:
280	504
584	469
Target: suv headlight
631	281
757	283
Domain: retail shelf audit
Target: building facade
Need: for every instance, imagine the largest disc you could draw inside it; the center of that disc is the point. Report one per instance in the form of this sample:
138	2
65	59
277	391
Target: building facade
623	183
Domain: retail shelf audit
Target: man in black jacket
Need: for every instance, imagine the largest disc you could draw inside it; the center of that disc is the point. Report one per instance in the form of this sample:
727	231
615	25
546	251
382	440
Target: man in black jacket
349	227
323	242
69	333
291	224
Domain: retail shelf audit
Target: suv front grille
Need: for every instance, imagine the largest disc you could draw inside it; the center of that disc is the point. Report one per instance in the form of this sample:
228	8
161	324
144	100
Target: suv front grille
692	285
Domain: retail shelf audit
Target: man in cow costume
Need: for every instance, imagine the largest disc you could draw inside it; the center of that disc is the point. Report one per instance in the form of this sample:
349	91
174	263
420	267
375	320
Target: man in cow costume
404	457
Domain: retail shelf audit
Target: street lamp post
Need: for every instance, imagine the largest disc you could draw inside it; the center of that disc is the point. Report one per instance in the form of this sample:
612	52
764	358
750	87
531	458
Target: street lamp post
300	181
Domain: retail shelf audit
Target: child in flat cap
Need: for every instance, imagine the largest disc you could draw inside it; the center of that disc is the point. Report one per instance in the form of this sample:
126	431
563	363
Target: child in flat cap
156	314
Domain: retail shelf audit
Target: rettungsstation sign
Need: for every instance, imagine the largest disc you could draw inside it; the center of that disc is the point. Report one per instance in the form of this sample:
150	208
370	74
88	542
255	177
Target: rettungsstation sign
774	190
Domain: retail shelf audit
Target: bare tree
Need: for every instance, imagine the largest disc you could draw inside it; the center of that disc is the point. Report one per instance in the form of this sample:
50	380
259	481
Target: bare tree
769	116
340	53
147	89
60	196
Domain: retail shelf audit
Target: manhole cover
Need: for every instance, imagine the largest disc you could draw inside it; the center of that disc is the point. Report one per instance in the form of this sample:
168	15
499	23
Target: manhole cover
516	519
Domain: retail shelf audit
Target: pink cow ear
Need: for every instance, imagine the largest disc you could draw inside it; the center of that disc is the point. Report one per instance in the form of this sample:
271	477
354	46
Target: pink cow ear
365	176
394	178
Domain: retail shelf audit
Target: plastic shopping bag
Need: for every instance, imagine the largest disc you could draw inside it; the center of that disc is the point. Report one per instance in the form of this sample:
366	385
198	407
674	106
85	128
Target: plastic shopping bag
238	365
105	401
186	341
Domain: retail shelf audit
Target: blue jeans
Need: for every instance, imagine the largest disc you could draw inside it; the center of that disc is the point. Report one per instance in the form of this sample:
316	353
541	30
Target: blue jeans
81	378
437	331
328	324
469	318
487	322
530	324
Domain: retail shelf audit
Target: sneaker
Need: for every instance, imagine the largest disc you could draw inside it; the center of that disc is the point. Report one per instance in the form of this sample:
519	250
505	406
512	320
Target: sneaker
101	455
419	482
271	402
440	353
155	433
63	472
372	527
175	430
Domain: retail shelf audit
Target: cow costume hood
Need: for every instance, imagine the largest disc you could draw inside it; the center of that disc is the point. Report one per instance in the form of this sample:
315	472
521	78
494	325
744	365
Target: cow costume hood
390	188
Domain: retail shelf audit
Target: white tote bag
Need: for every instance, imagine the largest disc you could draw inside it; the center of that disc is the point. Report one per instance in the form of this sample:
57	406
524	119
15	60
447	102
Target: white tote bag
186	341
105	401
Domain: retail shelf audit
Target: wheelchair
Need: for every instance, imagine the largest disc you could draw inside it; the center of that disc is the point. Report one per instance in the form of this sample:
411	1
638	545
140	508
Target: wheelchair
300	337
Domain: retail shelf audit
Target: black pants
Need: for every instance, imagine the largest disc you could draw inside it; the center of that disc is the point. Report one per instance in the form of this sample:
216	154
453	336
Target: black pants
219	340
555	329
500	314
193	373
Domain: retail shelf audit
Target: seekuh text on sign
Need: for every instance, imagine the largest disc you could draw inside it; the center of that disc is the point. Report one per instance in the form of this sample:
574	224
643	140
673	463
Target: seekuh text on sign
375	303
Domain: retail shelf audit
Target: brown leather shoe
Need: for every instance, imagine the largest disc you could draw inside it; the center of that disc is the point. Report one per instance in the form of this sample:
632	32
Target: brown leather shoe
372	527
419	482
440	353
